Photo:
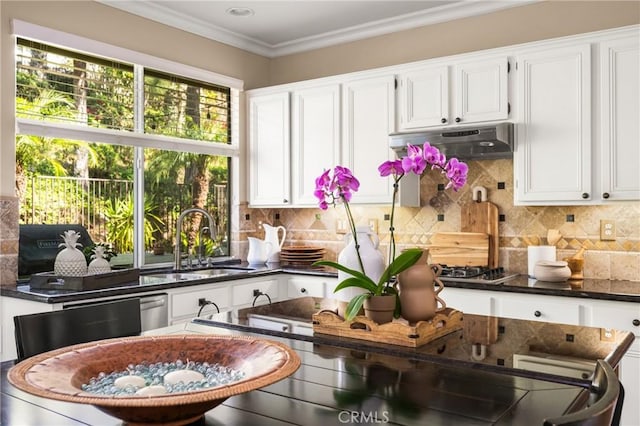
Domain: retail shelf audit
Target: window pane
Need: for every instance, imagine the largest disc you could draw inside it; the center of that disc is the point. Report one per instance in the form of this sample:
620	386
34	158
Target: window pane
187	109
68	87
68	182
176	181
64	181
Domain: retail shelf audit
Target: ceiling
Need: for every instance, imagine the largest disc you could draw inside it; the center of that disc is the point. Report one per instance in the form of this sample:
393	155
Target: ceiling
276	28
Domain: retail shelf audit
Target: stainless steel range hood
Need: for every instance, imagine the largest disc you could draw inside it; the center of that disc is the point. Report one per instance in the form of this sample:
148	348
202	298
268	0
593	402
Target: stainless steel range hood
466	143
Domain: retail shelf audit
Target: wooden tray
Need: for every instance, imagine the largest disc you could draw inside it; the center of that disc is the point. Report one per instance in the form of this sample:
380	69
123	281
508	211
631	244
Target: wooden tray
397	332
51	281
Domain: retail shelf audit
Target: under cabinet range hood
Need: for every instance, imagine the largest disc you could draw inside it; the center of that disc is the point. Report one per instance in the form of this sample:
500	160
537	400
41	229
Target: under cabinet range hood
466	143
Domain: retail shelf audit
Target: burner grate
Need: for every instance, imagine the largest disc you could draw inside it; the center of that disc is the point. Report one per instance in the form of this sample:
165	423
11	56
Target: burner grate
481	274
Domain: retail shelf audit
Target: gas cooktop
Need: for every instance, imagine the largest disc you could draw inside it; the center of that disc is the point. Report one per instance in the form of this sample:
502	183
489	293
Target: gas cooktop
475	274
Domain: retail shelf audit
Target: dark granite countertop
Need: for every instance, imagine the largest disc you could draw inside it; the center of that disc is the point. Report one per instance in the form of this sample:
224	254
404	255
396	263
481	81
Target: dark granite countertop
616	290
338	385
489	343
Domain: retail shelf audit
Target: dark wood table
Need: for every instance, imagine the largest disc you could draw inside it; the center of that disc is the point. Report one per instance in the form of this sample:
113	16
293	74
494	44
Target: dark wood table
339	385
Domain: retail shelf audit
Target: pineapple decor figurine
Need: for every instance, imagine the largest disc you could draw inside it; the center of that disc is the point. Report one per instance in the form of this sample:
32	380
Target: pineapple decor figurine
99	264
70	262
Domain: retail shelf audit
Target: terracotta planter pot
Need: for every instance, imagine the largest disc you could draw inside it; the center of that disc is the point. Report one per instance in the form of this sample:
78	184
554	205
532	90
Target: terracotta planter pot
380	308
417	289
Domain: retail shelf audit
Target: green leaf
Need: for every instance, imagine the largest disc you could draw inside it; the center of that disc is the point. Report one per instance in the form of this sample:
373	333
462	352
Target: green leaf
356	282
407	259
340	267
355	305
367	283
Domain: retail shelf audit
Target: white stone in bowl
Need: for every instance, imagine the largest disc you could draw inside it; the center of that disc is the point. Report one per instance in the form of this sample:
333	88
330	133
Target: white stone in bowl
184	376
131	380
151	390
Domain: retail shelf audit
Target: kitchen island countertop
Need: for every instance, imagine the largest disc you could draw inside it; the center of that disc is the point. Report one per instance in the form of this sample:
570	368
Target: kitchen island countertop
337	384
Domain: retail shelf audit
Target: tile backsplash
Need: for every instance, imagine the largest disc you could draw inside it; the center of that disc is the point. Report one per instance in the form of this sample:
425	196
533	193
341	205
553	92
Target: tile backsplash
579	225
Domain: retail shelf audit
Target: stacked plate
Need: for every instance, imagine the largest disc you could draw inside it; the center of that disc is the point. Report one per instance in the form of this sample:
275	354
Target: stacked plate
301	255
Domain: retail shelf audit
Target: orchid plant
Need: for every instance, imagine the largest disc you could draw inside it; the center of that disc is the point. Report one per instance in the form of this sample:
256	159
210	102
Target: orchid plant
337	186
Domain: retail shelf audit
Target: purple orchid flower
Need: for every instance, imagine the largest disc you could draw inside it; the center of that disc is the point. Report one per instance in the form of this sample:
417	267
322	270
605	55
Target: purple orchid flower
414	161
391	168
433	156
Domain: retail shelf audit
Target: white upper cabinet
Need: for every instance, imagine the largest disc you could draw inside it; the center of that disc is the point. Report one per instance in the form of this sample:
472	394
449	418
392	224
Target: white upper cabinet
620	118
575	109
578	127
269	150
480	91
552	160
368	118
423	98
315	138
464	93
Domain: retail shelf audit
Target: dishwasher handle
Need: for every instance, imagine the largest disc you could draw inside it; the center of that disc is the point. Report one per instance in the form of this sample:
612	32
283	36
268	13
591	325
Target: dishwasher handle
147	303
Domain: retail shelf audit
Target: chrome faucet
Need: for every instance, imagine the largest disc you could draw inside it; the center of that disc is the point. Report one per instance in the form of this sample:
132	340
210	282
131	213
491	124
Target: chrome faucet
178	256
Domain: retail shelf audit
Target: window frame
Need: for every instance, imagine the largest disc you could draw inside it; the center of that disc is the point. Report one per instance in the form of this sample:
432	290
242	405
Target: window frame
136	139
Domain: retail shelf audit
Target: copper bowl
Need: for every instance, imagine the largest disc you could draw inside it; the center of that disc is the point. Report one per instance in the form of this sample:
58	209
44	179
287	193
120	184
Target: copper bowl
59	374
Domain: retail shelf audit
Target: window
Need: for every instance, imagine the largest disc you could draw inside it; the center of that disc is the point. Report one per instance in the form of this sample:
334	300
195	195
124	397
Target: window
122	148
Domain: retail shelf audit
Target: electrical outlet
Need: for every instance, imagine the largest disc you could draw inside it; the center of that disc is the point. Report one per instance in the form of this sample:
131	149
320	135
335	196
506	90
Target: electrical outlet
607	335
607	230
341	227
373	225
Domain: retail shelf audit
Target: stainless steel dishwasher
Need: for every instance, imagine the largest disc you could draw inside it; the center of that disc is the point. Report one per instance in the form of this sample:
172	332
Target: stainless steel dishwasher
154	309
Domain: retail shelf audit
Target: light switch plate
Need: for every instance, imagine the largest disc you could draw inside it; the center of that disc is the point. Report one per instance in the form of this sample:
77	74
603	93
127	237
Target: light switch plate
607	230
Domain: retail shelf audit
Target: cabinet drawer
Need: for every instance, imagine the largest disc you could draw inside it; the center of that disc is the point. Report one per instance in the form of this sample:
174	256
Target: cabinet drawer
540	308
617	315
310	287
183	304
478	302
243	294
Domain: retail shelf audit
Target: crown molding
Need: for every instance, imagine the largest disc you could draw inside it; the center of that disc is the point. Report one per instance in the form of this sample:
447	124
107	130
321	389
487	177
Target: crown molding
199	27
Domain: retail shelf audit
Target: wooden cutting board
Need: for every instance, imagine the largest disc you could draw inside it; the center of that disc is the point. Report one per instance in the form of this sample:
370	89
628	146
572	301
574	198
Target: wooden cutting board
460	248
482	216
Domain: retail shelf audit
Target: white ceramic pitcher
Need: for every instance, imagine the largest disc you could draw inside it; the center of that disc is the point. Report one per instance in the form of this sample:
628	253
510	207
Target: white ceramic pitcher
259	251
271	235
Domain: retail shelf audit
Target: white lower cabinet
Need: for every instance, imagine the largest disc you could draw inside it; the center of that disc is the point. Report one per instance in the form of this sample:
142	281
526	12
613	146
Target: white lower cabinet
563	310
11	307
623	316
469	301
588	312
185	304
307	286
255	291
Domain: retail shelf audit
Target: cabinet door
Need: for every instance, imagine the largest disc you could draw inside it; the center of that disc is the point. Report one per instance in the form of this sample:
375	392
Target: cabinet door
552	160
620	126
255	292
315	133
185	305
269	156
480	91
368	119
423	98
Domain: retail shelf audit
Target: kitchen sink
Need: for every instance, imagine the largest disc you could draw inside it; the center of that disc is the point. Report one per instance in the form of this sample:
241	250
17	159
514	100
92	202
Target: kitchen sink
175	276
199	274
216	271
